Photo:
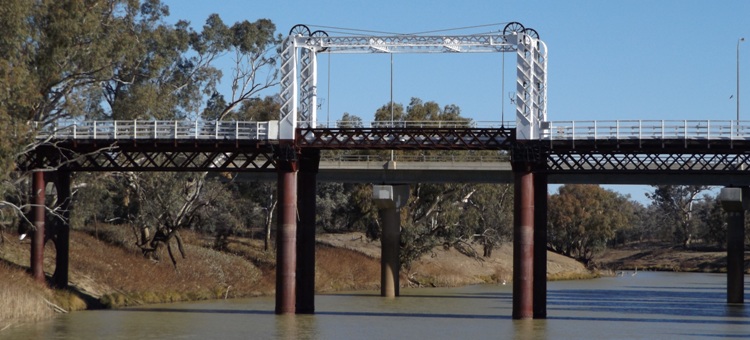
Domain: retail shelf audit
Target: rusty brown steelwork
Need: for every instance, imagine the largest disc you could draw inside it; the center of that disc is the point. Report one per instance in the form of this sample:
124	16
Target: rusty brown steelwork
153	156
306	189
523	243
540	245
286	238
37	236
406	138
61	230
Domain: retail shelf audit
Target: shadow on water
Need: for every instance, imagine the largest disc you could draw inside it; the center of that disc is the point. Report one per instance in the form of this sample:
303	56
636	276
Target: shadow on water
483	296
330	313
650	302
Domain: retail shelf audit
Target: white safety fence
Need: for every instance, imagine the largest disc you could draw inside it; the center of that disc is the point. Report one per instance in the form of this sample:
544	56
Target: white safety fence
158	129
246	130
646	130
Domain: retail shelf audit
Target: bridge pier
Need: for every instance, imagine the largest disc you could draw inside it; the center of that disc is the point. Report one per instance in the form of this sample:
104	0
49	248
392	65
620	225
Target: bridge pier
306	189
389	199
38	214
734	205
523	242
540	246
286	233
59	230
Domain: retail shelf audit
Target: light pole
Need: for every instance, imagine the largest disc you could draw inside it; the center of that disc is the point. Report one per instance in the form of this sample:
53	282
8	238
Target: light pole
738	79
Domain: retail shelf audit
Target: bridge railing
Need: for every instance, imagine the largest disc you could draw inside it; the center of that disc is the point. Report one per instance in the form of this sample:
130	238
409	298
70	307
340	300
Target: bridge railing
159	130
646	130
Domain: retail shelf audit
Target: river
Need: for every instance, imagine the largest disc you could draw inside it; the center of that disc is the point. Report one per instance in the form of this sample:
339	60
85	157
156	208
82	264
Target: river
649	305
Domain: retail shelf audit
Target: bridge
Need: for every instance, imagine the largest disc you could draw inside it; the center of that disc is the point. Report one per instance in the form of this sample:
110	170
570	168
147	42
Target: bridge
531	152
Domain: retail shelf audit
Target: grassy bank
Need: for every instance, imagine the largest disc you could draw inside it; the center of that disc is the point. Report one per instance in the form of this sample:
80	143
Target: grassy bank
108	271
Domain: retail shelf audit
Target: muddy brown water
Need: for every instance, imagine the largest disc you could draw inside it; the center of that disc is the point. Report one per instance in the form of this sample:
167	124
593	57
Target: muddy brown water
648	305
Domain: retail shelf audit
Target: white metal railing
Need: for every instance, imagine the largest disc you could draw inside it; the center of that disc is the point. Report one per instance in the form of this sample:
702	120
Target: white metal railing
160	129
246	130
647	130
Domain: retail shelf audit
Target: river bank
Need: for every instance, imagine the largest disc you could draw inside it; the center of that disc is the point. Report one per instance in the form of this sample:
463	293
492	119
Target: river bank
108	271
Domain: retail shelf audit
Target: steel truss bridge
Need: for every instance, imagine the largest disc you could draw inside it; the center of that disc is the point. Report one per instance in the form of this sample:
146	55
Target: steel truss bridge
538	149
566	147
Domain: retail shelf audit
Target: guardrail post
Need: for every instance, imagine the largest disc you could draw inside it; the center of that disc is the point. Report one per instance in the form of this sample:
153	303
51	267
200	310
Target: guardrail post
216	130
94	129
135	129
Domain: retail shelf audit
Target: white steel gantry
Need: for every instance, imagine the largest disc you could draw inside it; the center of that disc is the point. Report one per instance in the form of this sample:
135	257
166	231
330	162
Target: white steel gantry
299	70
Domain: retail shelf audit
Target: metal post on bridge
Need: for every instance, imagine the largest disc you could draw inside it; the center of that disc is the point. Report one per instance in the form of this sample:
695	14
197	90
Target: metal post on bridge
60	229
38	212
286	233
523	241
306	189
734	204
540	246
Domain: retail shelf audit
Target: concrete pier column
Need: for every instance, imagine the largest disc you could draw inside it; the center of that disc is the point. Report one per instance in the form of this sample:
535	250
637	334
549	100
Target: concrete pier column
61	231
389	199
540	246
286	233
306	189
523	242
734	205
38	214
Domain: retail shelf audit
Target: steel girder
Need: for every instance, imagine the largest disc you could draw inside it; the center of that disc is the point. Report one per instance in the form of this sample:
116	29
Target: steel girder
166	156
656	157
406	138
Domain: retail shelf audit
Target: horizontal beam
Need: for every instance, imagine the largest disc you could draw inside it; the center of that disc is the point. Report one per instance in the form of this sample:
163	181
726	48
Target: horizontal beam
481	43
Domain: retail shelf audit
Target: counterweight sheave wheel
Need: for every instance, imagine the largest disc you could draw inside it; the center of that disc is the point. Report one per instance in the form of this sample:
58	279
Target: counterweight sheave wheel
513	27
299	29
532	33
320	34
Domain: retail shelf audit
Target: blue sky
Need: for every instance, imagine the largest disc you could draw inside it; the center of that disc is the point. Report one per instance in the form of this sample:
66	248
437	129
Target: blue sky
636	59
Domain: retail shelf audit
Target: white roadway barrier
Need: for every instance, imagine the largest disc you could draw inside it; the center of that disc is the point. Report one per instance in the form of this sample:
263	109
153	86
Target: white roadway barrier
160	130
269	130
647	130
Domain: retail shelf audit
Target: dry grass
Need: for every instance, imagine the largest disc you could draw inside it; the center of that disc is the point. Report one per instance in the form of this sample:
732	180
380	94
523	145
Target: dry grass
21	299
343	269
125	277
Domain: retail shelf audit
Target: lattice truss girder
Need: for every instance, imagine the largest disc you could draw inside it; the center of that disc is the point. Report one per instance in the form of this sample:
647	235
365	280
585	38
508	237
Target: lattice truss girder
299	71
144	159
406	138
647	162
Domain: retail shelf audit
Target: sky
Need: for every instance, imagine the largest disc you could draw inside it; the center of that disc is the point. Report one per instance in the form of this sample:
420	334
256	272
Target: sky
626	59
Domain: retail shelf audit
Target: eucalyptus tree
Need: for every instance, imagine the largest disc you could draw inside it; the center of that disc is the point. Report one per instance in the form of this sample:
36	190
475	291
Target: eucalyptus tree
675	206
120	59
584	218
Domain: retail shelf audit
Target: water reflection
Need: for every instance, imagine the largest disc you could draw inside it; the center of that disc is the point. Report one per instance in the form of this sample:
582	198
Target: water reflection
650	305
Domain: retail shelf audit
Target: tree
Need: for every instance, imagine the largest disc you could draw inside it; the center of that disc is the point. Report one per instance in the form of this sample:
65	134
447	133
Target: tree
583	218
674	204
713	226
